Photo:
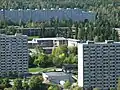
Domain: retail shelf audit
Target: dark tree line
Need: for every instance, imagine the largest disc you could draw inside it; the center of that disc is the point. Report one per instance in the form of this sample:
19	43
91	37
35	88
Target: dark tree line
99	30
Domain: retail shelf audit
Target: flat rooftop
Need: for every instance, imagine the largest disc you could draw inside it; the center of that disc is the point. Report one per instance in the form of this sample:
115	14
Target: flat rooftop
56	38
35	40
73	40
56	74
106	42
18	34
56	77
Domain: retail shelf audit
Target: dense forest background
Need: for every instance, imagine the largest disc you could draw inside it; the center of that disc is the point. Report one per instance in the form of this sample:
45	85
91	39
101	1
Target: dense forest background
107	17
32	4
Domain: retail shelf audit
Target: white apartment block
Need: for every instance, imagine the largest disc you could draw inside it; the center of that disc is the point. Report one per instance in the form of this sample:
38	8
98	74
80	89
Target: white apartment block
13	54
98	64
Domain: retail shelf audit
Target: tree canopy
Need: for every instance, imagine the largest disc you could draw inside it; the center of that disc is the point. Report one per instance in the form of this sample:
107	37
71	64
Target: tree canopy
107	18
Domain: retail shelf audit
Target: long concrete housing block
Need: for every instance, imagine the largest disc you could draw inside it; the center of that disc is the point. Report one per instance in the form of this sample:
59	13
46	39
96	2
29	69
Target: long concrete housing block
46	14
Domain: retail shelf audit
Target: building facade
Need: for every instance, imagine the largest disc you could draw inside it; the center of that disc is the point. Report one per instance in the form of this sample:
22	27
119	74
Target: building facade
48	44
13	54
99	64
46	14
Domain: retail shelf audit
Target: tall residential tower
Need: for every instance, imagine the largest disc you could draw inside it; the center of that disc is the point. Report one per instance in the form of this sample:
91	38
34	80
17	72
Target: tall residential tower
99	64
13	54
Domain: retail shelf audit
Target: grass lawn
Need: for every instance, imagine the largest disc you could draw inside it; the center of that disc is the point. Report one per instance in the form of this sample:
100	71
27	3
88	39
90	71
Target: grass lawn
31	37
38	69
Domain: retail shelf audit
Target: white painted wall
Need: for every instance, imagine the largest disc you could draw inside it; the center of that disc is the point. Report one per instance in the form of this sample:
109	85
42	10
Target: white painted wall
72	43
80	65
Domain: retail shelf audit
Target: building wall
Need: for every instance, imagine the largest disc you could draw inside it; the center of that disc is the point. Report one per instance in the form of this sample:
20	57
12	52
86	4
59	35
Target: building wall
72	43
43	15
45	43
80	65
48	44
13	54
101	65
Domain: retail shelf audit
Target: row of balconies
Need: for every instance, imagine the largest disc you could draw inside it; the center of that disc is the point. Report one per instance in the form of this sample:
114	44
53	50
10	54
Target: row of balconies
13	68
102	48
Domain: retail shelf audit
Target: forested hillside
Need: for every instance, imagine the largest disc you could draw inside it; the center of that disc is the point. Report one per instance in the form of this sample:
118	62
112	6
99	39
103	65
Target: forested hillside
106	9
53	3
108	17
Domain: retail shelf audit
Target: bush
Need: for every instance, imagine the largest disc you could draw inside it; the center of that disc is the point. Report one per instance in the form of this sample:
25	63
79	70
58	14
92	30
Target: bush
54	87
67	85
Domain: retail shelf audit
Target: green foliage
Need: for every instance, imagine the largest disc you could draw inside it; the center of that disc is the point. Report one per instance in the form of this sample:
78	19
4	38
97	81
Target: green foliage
98	31
118	85
71	59
101	29
76	88
25	85
72	50
6	83
40	58
53	3
43	60
60	50
40	70
39	49
66	55
17	84
112	89
67	85
1	80
31	37
31	60
8	89
59	55
36	83
96	89
53	87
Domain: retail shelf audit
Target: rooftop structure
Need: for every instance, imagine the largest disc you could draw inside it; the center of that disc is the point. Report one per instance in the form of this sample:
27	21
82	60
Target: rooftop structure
57	77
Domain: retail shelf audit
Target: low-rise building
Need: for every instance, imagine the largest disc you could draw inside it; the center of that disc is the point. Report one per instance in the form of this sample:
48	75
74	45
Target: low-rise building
48	44
57	77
